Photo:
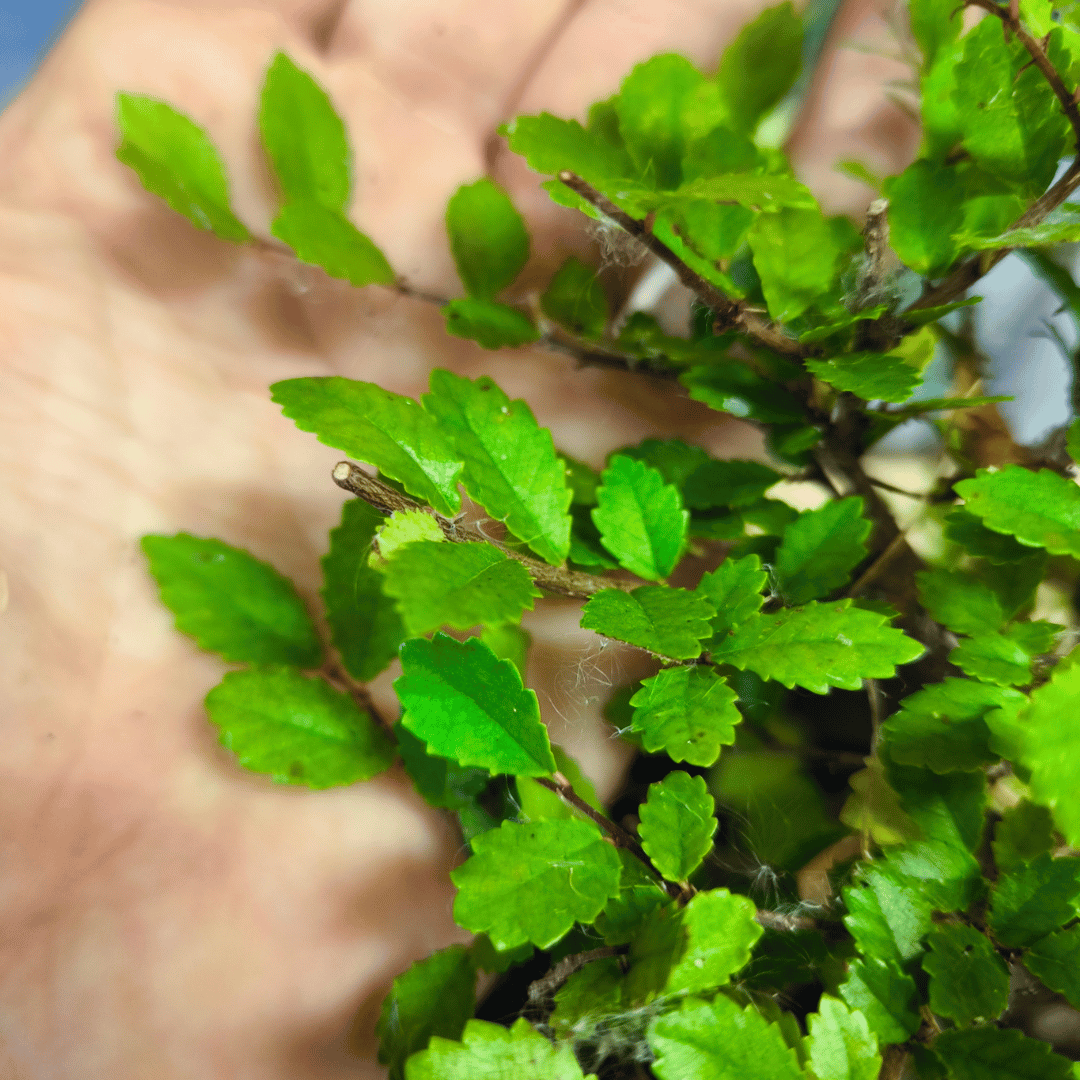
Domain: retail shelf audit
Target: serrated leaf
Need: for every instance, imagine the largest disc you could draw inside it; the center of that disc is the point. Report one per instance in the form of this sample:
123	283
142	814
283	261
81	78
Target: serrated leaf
1041	509
639	895
735	388
1024	832
934	24
304	137
958	601
487	237
492	1052
677	824
925	209
232	603
841	1044
511	467
327	238
848	318
873	808
640	518
469	706
976	539
550	144
1003	1053
585	546
885	995
868	375
438	780
687	712
435	997
734	589
404	527
575	299
458	585
384	429
295	729
537	802
1034	899
968	980
175	160
533	882
728	483
667	622
887	914
489	324
820	549
818	646
717	1040
675	460
364	624
1059	228
1056	961
993	658
509	642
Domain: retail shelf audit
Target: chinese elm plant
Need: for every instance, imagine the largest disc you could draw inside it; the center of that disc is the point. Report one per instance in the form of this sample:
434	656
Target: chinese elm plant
822	682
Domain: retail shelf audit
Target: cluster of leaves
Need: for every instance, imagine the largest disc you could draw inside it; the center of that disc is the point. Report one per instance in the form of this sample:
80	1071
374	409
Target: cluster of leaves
964	794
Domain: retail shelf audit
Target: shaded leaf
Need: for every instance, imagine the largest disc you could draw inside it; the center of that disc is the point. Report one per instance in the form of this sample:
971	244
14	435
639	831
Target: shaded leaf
491	325
667	622
1003	1053
639	895
887	914
327	238
737	389
575	299
1024	832
820	549
487	237
438	780
993	658
958	601
976	539
868	375
728	483
968	980
885	995
1033	899
1056	960
675	460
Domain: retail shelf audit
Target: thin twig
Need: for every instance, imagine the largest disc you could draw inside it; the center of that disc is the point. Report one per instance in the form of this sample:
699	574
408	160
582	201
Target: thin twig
543	989
873	692
334	672
879	565
898	491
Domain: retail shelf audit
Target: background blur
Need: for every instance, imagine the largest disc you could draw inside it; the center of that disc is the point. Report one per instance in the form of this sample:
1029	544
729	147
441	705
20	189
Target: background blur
27	30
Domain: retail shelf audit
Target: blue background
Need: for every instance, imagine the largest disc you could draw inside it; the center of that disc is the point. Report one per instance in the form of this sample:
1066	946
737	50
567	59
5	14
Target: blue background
27	30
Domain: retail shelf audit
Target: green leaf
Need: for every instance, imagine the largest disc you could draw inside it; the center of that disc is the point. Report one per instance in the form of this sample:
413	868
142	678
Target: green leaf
587	997
304	137
511	467
438	781
492	1052
667	622
818	646
848	319
469	706
639	895
575	300
1060	228
1034	899
1024	832
533	882
958	601
1041	509
874	808
677	824
487	237
968	980
1072	439
490	325
458	585
508	642
688	712
841	1044
994	658
327	238
583	481
871	376
435	996
885	995
295	729
401	528
640	518
364	624
928	405
232	603
717	1040
550	144
734	590
943	726
820	549
728	483
488	958
759	67
976	539
1003	1053
538	802
175	160
925	209
934	24
1056	960
887	914
735	388
384	429
675	460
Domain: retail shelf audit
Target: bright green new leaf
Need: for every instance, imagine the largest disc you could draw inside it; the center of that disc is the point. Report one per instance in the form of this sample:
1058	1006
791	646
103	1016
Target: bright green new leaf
469	706
818	646
976	539
925	209
550	144
1056	960
968	980
489	324
304	137
295	729
1041	509
735	388
1001	1053
232	603
820	549
364	622
401	528
667	622
718	1040
533	882
958	601
327	238
734	589
841	1044
1024	833
640	518
675	460
389	431
438	781
760	65
887	914
1034	899
487	237
575	300
677	824
728	483
511	467
492	1052
885	995
993	658
175	160
435	996
687	712
871	376
458	585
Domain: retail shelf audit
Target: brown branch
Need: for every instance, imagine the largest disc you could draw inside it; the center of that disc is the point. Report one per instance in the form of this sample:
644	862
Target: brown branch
335	673
544	989
554	579
879	565
893	1063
